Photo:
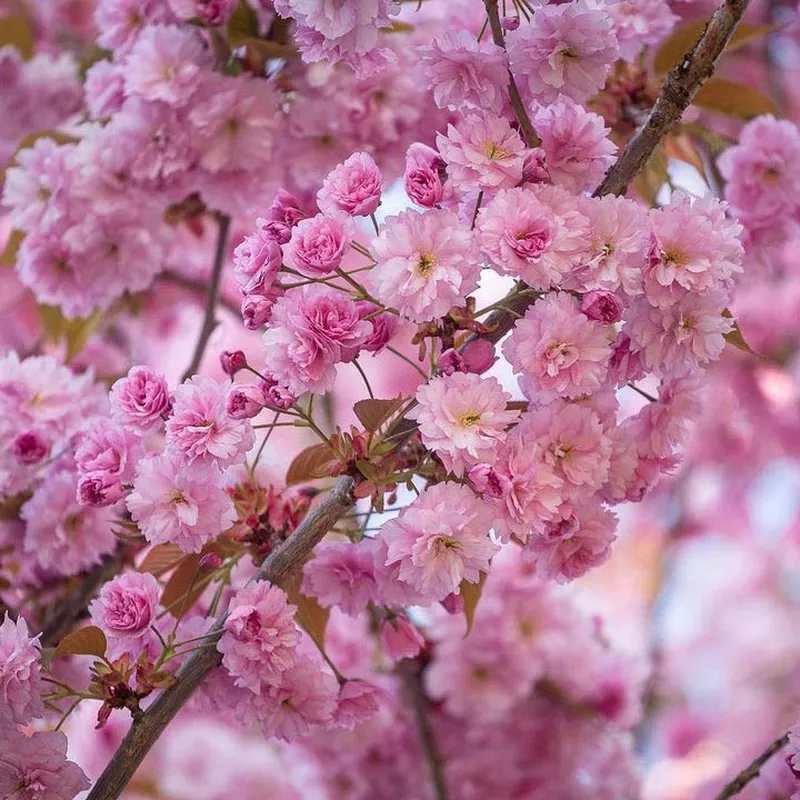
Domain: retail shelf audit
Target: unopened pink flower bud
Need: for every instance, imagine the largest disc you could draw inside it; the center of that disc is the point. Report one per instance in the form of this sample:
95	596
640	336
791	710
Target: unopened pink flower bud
535	170
424	175
602	306
232	361
478	356
450	362
246	401
453	603
209	562
484	478
29	447
277	396
256	310
400	639
98	490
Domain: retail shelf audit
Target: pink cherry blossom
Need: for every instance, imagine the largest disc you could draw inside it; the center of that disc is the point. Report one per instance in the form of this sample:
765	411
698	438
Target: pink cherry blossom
20	681
400	638
260	639
318	245
200	427
425	175
462	418
353	188
558	349
140	399
174	502
482	152
357	702
565	49
427	263
441	539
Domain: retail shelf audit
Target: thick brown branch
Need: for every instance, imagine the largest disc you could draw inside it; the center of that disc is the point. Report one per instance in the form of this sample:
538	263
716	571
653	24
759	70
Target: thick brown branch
212	294
281	564
528	133
751	772
677	93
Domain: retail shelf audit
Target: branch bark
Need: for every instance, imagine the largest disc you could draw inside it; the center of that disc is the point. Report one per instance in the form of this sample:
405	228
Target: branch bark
528	133
279	566
677	93
751	772
212	295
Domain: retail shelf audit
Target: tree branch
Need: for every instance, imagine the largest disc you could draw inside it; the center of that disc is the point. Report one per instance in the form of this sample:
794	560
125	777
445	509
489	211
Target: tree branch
212	293
676	95
528	133
279	566
415	693
197	287
749	773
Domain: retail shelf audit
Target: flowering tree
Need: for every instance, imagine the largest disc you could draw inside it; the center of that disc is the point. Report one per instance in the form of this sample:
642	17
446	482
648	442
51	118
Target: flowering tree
386	392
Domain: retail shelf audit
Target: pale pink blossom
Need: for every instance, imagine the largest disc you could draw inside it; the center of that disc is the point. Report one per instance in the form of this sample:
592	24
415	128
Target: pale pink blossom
121	22
125	610
260	639
312	329
565	49
558	349
400	638
36	767
353	188
482	152
462	418
575	142
212	12
109	451
200	427
318	245
164	64
536	234
342	574
20	681
427	263
357	702
141	399
179	503
639	23
568	548
465	74
104	88
441	539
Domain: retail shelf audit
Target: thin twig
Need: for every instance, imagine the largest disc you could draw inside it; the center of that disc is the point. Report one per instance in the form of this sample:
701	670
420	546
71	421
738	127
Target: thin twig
212	293
197	287
415	693
525	125
281	564
676	95
749	773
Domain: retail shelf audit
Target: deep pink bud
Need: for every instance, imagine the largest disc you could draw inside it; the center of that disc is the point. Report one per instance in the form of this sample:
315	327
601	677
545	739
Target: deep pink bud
453	603
602	306
279	397
209	562
450	362
535	170
256	310
384	327
484	478
284	213
510	23
29	447
400	639
478	356
232	361
424	175
246	401
98	489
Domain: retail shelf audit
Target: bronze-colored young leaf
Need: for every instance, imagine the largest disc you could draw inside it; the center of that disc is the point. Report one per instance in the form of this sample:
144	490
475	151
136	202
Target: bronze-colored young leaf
373	413
734	336
733	99
74	333
184	587
471	592
243	24
161	558
9	255
311	616
685	36
313	462
16	30
89	641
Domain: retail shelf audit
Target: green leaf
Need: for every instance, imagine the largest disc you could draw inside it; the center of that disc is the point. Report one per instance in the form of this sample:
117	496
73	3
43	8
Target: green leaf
734	336
243	25
471	592
16	30
73	332
161	559
373	413
686	35
313	462
733	99
311	616
89	641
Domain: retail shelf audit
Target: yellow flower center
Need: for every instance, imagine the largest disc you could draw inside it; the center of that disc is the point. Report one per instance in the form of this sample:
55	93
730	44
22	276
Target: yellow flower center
469	419
425	265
